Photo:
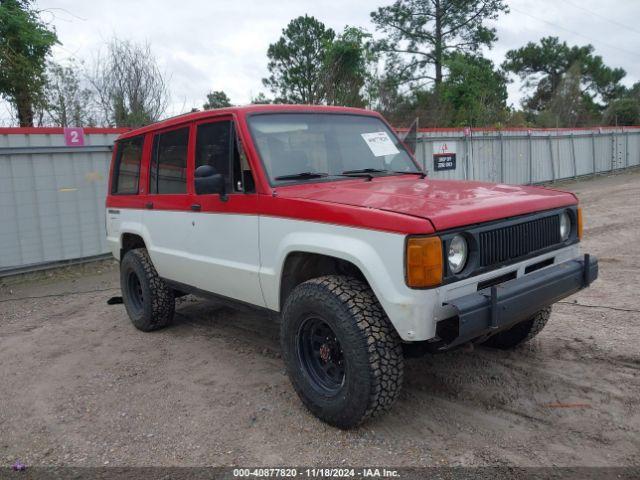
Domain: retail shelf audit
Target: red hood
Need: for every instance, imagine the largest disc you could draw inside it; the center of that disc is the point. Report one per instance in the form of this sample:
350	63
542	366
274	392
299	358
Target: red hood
446	203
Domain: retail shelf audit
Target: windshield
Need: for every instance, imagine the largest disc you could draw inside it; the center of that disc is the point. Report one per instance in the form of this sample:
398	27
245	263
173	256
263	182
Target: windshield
309	146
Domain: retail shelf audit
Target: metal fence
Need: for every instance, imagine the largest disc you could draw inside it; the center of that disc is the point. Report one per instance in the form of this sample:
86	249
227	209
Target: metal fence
52	194
527	156
52	190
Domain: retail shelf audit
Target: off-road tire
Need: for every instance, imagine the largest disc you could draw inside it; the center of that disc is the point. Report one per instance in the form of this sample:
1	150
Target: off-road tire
519	333
371	349
156	307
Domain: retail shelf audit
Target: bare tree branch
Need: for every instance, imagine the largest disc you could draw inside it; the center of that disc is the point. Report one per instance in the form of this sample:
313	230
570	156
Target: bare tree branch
129	85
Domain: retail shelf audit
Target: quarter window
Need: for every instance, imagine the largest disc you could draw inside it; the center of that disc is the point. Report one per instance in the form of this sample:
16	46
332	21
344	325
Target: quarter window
168	173
126	170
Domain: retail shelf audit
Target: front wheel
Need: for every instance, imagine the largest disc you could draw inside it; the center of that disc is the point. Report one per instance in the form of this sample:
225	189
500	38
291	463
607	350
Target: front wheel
342	355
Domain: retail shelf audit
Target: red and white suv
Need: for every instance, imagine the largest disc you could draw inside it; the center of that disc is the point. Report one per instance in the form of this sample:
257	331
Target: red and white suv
322	215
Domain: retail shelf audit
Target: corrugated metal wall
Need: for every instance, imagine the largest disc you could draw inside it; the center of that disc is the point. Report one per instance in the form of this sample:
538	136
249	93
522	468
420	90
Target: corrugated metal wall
52	196
530	156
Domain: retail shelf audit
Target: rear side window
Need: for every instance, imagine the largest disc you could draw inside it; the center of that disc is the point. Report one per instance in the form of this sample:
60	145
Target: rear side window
126	171
168	173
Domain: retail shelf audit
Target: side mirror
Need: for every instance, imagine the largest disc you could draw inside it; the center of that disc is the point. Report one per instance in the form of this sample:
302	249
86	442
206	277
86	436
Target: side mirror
208	181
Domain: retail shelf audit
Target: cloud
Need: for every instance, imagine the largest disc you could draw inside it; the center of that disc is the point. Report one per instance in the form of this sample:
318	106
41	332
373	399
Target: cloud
209	45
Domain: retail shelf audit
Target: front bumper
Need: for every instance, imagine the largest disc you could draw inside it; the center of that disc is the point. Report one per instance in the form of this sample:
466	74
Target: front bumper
501	306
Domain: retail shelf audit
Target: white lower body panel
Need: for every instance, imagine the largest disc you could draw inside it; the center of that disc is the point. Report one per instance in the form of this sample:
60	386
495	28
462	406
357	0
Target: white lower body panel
242	256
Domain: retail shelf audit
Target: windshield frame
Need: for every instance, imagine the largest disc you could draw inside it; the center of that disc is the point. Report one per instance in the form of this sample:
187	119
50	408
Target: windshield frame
331	178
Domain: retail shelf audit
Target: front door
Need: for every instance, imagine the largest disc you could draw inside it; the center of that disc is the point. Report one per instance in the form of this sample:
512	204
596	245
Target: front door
223	245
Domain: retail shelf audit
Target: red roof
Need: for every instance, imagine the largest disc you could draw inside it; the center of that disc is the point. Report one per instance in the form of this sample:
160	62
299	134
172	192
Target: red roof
245	110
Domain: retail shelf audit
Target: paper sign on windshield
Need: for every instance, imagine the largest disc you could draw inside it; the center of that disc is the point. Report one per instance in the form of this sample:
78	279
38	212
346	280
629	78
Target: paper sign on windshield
380	143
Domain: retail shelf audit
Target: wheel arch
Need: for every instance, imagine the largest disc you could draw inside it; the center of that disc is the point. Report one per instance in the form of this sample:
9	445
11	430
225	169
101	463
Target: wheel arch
300	266
129	241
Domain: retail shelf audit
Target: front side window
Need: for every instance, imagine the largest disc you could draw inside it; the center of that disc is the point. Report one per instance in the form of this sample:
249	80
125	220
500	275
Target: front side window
126	170
216	145
212	146
168	173
299	146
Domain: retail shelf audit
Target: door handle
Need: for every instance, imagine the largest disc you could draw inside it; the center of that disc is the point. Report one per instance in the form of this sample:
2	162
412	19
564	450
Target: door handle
196	207
149	205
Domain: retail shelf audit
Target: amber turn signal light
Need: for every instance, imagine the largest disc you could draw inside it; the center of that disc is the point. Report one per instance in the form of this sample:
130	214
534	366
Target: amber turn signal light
579	223
424	262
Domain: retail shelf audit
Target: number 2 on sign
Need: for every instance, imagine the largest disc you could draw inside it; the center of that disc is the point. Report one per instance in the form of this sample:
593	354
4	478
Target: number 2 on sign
74	137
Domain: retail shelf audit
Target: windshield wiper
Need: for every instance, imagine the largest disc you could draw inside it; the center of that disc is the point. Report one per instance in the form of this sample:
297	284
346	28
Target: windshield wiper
302	175
379	170
363	170
422	174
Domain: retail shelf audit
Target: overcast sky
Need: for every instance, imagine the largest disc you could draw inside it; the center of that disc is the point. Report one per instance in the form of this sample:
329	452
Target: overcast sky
206	45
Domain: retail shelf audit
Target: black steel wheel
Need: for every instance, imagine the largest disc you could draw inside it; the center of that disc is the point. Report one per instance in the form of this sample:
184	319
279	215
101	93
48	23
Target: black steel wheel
320	355
343	356
136	295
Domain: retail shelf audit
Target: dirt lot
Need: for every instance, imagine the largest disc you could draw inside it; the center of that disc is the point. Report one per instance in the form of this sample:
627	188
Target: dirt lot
80	386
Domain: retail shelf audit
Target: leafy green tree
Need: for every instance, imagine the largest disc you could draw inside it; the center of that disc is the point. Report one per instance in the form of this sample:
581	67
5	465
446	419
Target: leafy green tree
626	109
383	95
431	109
217	99
68	103
295	61
420	34
517	118
346	68
569	106
543	66
25	43
260	99
475	91
623	111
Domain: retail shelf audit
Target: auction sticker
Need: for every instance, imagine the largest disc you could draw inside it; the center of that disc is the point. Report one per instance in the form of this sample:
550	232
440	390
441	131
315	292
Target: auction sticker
380	143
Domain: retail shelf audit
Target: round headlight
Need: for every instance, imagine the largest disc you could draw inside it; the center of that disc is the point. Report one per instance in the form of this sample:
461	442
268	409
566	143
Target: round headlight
565	226
457	254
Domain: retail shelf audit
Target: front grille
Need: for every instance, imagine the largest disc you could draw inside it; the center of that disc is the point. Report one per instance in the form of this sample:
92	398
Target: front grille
508	243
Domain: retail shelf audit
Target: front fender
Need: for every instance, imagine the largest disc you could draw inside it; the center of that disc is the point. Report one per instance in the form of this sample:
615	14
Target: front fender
378	255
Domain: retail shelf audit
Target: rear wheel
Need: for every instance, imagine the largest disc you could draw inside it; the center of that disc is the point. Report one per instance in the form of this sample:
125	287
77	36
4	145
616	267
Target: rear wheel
149	301
521	332
343	356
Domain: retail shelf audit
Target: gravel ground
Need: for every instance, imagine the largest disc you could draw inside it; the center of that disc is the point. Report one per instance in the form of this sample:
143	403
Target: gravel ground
81	387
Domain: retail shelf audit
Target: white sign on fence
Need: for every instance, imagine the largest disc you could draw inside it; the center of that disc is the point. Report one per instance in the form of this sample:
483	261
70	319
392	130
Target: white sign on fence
444	147
444	156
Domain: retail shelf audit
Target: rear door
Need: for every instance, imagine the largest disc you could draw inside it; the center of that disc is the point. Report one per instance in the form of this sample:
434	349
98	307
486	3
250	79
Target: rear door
167	215
223	244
